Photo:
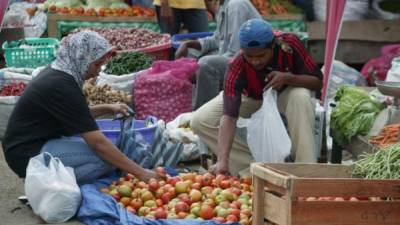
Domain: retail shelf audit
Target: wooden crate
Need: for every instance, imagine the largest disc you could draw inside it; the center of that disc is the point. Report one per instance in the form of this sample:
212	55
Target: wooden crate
277	188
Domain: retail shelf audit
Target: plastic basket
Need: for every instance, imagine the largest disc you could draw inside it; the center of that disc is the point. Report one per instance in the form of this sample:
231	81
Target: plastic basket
40	52
177	38
146	132
159	52
112	129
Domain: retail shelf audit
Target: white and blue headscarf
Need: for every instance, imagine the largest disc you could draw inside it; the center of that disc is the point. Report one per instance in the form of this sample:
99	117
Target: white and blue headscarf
78	51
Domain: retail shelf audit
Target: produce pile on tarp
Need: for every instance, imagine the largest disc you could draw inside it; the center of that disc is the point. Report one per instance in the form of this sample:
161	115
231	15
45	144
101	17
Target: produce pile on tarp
187	196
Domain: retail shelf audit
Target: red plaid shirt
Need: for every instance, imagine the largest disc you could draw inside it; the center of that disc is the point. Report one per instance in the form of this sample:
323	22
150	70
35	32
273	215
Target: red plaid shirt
289	56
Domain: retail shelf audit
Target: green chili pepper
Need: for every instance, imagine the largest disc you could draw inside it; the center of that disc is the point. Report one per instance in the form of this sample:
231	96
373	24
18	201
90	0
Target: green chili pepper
128	62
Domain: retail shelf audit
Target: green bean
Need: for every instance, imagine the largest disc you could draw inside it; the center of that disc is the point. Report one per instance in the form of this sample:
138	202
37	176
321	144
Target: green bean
384	164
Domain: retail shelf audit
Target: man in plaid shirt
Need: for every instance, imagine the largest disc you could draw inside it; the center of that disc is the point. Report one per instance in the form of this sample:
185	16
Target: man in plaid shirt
267	60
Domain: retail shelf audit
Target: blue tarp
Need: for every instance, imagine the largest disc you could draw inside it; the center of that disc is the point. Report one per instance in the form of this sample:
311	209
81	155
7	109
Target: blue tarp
101	209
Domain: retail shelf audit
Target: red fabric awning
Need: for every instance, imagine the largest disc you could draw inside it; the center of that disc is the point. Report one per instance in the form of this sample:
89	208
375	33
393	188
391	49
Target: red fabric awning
3	8
333	25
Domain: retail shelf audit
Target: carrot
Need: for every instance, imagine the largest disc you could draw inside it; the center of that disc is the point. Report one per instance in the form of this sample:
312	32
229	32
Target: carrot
387	136
392	125
391	130
378	138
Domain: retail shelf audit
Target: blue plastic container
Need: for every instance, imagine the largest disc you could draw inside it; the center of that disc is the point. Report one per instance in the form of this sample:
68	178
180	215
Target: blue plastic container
146	131
178	38
109	125
112	129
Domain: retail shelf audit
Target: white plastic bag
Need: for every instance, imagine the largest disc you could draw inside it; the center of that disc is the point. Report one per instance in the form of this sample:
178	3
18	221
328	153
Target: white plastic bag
393	74
16	16
381	14
7	103
118	82
267	137
39	25
51	189
176	129
354	10
341	75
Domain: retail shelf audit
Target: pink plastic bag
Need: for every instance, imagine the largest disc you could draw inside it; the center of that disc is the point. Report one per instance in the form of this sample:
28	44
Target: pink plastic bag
184	67
376	69
164	90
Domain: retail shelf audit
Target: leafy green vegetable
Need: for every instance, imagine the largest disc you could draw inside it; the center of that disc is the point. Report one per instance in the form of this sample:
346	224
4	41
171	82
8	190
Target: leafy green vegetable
128	62
354	114
64	3
97	4
384	164
119	5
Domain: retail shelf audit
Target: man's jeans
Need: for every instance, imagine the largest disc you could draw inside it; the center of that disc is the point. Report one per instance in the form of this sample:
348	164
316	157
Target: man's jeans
210	79
194	20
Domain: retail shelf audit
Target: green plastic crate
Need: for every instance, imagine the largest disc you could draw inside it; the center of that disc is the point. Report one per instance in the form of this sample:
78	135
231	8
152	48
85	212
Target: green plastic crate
283	25
39	52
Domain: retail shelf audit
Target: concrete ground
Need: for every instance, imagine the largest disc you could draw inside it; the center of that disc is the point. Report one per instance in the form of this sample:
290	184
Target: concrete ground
12	211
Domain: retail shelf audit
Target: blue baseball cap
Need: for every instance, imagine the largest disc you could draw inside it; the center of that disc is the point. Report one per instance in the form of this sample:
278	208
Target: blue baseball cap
255	33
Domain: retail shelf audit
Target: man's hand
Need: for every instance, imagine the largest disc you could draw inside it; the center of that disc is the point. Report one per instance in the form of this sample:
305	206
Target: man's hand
166	13
220	168
119	108
277	80
211	7
146	175
182	51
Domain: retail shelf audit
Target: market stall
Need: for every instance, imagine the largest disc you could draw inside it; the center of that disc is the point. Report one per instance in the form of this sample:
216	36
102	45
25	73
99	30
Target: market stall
64	16
158	89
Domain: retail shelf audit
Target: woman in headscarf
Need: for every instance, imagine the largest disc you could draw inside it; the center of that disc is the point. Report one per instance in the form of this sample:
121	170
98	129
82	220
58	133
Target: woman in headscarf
53	108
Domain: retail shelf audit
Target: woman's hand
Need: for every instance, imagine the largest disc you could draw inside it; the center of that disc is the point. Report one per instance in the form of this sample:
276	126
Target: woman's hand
147	174
220	168
119	108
